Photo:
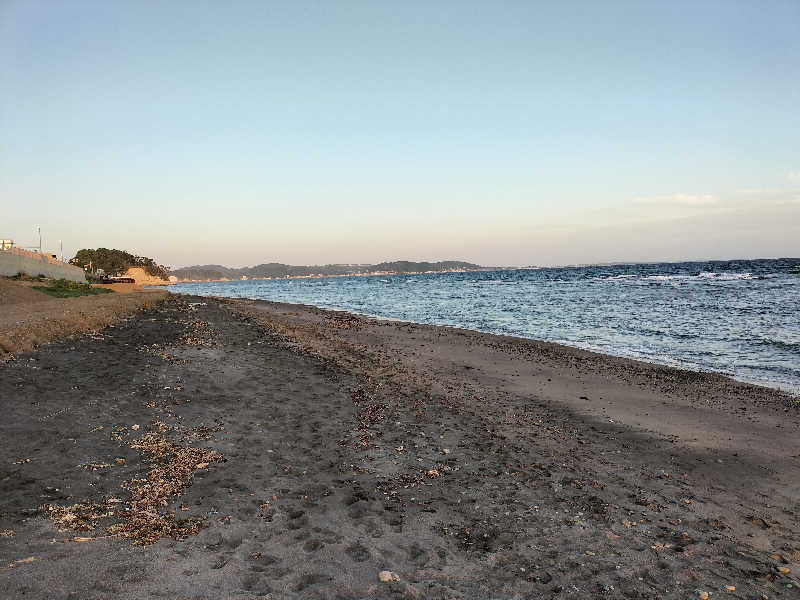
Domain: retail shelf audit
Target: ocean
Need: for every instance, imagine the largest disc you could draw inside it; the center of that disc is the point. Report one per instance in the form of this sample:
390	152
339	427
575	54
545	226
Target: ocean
740	318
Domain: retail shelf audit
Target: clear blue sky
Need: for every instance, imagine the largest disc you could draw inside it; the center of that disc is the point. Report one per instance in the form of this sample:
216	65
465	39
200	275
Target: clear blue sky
503	133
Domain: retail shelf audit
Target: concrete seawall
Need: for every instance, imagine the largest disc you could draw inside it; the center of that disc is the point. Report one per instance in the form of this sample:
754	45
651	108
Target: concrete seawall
32	264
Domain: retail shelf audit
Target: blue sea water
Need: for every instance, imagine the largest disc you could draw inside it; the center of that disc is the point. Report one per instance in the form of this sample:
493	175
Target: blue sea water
741	318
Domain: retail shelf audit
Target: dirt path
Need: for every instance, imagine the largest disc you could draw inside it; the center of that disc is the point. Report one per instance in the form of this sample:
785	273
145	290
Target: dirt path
335	449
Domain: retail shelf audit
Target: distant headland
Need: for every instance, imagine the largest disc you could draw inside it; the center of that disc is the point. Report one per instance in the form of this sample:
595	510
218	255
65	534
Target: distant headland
282	271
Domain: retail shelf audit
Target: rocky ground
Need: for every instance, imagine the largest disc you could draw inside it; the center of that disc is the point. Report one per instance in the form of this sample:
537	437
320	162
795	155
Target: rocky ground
235	449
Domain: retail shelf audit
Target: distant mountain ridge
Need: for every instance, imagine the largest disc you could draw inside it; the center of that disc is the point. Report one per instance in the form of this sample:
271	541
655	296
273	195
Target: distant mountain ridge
279	270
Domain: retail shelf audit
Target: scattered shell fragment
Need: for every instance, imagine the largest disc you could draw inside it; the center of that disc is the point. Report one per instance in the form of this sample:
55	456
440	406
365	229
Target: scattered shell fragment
388	576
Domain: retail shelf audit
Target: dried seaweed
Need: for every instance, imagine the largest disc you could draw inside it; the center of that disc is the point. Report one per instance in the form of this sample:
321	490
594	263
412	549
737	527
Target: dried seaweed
172	470
78	517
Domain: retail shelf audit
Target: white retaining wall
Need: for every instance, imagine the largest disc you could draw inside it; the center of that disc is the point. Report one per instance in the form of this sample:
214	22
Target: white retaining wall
11	264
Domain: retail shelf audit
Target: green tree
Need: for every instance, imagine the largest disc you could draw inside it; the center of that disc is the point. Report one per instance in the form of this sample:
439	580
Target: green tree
115	262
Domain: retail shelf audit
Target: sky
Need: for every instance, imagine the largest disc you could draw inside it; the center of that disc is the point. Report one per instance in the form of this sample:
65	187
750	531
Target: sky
502	133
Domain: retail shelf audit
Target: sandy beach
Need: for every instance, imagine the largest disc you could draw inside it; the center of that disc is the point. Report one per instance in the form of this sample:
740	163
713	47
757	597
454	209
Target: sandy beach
212	448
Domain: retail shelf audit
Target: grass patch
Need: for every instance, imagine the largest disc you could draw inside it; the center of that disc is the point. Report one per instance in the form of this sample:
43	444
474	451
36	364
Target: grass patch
61	288
25	277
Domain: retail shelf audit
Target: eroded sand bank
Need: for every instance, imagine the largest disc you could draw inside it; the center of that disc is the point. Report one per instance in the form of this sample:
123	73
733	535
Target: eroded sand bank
29	318
330	448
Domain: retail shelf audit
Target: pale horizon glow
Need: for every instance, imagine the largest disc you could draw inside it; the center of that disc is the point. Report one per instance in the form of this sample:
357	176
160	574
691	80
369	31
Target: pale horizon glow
504	134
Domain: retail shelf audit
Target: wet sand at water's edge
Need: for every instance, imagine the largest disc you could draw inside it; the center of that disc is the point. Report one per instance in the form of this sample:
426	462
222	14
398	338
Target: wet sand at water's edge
210	448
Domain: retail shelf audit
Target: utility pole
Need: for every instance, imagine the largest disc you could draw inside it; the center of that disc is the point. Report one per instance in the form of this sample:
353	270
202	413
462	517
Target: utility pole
39	229
61	245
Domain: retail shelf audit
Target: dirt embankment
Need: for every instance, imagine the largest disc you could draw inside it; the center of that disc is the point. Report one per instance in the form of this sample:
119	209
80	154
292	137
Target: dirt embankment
143	278
29	318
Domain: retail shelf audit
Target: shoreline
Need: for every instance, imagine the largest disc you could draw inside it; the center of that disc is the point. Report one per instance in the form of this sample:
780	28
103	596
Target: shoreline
301	453
785	388
645	371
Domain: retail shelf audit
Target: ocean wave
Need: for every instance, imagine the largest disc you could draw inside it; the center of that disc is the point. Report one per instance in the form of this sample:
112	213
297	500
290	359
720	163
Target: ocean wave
614	277
705	276
726	276
783	344
669	277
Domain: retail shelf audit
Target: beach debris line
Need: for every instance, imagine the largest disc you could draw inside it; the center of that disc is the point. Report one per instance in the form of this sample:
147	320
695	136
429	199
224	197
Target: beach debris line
172	464
78	517
200	334
370	411
142	520
156	350
344	320
172	469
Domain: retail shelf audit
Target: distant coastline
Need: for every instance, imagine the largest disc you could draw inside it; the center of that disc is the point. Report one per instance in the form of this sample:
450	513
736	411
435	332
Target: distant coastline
271	271
279	271
322	276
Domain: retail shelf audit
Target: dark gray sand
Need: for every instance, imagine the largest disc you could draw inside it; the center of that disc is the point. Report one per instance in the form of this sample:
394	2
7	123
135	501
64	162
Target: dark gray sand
299	453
